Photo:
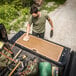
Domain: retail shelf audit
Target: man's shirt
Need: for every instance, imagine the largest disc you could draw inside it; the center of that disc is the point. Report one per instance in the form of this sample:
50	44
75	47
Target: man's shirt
39	22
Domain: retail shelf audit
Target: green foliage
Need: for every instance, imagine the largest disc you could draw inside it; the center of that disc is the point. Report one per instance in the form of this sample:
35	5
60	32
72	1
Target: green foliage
20	22
54	6
49	0
17	4
11	10
56	1
6	25
3	2
7	14
48	9
28	2
60	1
24	11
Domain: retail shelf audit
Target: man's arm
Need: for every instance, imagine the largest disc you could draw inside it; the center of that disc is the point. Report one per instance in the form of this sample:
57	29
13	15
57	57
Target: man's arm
28	29
26	38
51	23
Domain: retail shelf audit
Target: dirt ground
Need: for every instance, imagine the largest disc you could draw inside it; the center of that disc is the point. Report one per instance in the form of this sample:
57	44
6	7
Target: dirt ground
64	20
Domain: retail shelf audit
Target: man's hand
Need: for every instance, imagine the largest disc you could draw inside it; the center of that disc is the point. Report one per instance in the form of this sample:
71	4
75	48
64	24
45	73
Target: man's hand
26	38
51	32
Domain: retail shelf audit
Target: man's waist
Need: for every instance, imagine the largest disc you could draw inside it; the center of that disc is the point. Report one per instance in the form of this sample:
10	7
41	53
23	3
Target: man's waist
36	31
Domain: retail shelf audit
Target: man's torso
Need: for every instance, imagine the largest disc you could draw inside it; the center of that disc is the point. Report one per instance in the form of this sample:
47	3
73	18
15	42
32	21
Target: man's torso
39	23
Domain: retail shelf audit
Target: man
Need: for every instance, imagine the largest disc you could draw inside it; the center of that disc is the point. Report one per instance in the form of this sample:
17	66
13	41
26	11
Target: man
38	19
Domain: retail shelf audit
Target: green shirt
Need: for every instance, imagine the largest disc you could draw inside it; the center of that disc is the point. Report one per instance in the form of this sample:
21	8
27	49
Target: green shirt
39	23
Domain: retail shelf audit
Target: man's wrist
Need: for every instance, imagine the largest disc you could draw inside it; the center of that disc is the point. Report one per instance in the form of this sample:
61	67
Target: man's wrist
51	28
27	34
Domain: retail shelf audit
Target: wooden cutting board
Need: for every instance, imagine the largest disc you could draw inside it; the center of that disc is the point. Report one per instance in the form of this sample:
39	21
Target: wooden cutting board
43	47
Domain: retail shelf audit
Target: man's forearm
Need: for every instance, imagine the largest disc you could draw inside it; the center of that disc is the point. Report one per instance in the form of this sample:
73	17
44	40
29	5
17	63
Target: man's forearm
51	23
28	29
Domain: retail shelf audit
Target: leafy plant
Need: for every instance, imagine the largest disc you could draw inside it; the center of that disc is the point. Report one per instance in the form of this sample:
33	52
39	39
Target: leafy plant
7	14
24	11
